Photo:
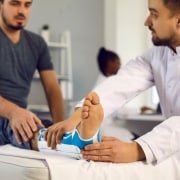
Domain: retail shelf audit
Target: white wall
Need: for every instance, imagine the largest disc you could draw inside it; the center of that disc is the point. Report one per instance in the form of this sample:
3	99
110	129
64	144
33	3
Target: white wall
116	24
126	34
110	24
131	33
85	20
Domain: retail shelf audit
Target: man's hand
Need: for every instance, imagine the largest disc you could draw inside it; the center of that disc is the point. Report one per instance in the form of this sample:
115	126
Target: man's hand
113	150
55	132
24	123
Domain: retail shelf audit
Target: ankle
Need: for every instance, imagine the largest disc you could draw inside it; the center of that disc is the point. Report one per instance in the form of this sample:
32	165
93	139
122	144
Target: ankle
33	141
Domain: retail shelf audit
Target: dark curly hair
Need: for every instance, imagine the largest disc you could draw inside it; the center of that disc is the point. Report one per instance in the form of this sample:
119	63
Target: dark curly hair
103	57
172	5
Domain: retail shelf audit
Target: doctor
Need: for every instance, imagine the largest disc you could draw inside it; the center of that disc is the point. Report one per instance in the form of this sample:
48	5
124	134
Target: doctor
160	67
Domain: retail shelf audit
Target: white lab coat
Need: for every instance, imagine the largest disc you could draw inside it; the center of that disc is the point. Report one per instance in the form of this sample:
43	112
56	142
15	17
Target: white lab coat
159	66
109	127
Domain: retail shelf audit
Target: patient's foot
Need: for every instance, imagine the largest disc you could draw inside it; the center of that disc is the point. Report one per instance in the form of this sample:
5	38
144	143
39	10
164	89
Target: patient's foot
91	115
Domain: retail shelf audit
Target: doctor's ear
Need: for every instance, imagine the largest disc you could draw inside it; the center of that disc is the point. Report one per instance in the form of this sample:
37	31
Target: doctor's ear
178	23
178	18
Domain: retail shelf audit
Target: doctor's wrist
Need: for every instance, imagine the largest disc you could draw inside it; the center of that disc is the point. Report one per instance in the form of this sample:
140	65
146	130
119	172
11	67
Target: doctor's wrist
138	152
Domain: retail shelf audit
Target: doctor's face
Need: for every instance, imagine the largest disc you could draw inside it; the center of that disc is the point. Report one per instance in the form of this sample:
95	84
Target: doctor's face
15	13
163	24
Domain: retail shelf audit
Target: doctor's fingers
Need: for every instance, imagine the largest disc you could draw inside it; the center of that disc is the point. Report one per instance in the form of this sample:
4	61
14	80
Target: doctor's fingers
96	152
99	158
98	155
108	138
101	145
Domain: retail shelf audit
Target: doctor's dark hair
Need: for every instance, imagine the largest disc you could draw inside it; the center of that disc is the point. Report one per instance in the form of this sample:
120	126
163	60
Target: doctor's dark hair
103	57
172	5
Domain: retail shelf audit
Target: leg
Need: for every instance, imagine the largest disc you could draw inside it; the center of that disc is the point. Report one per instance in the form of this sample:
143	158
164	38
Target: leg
87	131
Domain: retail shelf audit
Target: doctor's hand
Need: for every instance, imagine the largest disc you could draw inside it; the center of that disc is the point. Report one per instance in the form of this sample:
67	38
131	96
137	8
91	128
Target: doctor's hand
113	150
24	123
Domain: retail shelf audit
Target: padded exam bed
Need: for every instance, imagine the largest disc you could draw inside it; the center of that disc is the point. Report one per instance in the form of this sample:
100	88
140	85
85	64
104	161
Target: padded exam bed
20	164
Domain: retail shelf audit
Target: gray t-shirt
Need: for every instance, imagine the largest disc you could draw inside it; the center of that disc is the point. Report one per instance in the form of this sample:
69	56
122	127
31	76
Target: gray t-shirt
18	63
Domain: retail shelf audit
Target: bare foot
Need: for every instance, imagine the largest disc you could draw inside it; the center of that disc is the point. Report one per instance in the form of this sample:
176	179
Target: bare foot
91	116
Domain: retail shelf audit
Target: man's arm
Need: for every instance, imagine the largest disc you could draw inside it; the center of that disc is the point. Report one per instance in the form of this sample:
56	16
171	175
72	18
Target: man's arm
22	121
53	94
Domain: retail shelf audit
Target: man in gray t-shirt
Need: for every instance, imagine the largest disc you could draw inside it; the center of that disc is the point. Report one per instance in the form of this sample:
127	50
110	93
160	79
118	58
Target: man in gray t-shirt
21	53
